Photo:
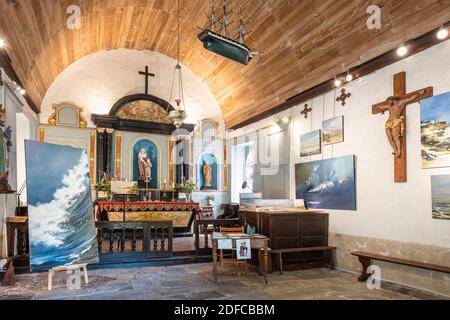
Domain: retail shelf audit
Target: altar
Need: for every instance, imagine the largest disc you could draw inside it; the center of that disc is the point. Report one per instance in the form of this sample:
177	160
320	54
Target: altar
181	213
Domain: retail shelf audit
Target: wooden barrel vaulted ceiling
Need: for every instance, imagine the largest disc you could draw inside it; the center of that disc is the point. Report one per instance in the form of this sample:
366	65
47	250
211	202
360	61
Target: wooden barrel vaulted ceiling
304	42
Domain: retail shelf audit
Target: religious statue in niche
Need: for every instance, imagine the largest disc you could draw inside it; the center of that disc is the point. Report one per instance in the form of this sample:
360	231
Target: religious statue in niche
207	173
144	165
5	147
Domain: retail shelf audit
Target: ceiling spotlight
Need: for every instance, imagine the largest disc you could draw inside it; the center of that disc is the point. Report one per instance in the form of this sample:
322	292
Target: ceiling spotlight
337	82
349	77
442	33
2	43
22	91
286	120
402	51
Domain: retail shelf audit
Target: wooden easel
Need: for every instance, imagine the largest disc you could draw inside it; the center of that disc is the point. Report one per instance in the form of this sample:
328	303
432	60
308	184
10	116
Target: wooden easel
52	271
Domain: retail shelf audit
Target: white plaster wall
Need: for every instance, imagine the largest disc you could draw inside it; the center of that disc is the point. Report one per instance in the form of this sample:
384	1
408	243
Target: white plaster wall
385	210
99	80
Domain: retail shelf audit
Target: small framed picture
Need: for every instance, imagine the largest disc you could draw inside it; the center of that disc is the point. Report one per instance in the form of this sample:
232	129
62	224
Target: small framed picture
310	143
243	249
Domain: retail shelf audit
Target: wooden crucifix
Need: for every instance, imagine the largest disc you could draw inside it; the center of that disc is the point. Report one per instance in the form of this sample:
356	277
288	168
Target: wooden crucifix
396	123
147	75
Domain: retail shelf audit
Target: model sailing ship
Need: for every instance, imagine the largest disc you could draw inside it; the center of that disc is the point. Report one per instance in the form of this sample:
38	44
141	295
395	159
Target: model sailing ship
219	41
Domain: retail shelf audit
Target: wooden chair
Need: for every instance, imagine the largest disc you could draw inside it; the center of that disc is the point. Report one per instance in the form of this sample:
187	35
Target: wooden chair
232	261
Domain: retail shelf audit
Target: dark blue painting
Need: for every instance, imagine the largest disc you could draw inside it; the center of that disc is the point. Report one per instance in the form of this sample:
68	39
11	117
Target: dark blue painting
61	221
152	152
211	160
327	184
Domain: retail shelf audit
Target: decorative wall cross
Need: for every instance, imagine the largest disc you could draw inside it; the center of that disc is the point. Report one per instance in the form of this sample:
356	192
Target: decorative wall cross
305	111
396	123
147	75
344	96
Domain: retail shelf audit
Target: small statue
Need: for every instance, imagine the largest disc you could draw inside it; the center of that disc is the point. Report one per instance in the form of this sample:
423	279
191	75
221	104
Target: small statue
5	147
144	165
207	174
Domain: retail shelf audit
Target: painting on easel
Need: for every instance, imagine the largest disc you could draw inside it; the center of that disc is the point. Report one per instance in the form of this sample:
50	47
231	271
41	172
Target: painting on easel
435	131
61	223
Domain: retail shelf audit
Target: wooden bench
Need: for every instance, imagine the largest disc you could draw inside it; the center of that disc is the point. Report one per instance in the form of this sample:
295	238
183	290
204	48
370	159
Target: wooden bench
366	260
327	249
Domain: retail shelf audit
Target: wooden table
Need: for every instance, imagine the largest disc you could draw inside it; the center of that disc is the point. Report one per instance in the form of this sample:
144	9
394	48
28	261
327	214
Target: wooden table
258	242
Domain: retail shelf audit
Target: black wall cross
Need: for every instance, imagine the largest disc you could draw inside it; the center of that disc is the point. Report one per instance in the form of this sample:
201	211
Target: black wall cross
147	75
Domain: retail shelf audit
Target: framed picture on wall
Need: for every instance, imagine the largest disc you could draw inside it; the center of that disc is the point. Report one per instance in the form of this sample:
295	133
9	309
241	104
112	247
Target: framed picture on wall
333	131
310	143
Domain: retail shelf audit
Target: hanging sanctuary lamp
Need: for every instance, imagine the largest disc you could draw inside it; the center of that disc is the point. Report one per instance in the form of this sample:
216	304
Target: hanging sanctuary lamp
178	115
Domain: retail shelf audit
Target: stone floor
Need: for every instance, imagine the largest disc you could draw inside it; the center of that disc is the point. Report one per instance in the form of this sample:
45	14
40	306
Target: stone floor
194	282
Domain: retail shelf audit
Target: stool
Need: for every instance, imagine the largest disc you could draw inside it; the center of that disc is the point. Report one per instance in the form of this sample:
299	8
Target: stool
52	271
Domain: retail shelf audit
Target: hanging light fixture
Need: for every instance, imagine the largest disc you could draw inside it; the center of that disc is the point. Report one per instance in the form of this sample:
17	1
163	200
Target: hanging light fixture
179	114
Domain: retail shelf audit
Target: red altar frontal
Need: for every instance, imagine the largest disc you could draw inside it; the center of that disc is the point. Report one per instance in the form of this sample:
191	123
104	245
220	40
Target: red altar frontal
181	213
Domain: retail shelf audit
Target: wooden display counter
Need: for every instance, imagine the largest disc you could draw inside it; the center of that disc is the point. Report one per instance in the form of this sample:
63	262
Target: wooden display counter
292	228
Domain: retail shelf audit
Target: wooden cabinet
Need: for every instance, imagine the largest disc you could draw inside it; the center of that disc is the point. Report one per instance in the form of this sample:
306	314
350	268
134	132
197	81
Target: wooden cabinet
292	229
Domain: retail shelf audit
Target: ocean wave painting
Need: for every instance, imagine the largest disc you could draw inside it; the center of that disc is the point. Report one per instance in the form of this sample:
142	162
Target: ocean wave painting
327	184
61	222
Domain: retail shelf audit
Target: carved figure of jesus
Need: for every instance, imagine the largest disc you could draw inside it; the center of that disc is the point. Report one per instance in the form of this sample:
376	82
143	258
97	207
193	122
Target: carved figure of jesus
144	165
395	125
207	174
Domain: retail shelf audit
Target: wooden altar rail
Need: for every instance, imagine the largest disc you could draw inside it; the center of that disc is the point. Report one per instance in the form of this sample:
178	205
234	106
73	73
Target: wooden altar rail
157	237
201	227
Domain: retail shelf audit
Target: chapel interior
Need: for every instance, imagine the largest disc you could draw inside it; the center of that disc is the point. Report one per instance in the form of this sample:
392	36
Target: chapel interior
225	149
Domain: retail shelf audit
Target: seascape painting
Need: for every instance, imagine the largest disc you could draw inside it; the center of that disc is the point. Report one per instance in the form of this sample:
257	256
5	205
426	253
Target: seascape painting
61	221
310	143
333	130
435	131
327	184
440	193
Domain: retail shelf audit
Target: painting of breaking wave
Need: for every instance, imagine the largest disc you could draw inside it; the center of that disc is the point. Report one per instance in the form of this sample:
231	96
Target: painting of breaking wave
327	184
435	131
440	193
61	223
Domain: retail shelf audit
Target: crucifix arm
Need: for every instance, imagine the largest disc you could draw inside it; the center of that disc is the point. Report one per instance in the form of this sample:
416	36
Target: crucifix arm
380	107
418	95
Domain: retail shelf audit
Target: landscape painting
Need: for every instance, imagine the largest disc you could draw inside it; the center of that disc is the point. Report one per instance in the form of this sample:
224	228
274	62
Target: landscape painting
327	184
435	131
440	193
61	222
333	130
310	143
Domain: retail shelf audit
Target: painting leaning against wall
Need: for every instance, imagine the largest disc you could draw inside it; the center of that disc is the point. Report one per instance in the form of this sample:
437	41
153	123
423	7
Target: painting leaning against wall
435	131
440	194
61	222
